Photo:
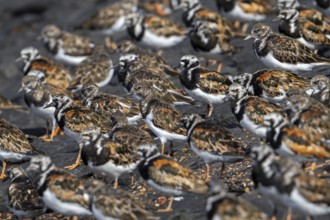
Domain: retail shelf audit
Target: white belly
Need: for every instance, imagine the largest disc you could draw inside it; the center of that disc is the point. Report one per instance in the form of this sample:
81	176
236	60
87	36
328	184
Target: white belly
155	41
238	13
73	60
62	207
207	98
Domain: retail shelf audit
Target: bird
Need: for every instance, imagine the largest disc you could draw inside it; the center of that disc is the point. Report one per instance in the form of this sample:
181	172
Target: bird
222	205
306	32
211	142
161	118
148	58
290	140
60	191
251	110
281	52
115	205
194	11
66	47
133	72
107	157
208	40
161	8
107	104
14	146
37	95
167	175
255	10
320	86
308	114
23	198
272	84
153	31
204	85
311	14
45	68
74	119
110	19
281	179
96	68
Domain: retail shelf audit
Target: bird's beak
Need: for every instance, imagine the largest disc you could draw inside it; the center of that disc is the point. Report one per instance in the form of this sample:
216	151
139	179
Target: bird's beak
20	90
129	94
39	37
278	18
52	104
248	37
18	59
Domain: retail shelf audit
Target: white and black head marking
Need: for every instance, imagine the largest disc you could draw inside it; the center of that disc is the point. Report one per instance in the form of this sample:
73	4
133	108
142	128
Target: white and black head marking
89	91
282	4
147	150
236	91
273	120
188	120
133	20
127	58
320	82
243	79
39	164
188	4
91	134
29	54
50	31
298	100
29	83
259	153
189	61
38	74
142	89
16	172
288	14
59	101
260	31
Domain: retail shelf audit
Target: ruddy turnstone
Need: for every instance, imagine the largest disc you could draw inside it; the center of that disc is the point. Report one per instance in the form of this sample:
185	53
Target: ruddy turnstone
60	191
290	140
96	68
272	84
251	110
23	198
204	85
281	52
320	86
211	142
128	134
65	46
167	175
74	119
209	40
282	180
309	114
106	156
252	10
134	72
37	96
51	72
14	146
108	205
194	11
147	58
154	31
221	205
110	19
161	118
107	104
309	13
311	35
